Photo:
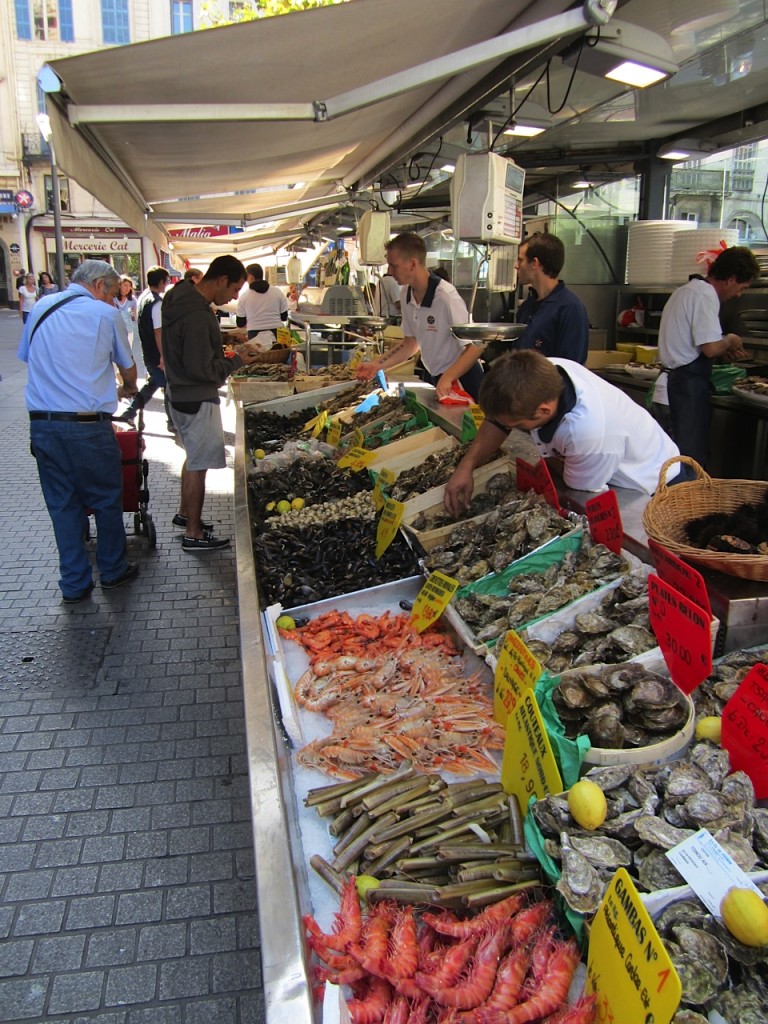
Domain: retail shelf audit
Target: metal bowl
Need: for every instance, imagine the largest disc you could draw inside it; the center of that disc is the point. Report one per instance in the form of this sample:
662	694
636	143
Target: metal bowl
487	332
373	321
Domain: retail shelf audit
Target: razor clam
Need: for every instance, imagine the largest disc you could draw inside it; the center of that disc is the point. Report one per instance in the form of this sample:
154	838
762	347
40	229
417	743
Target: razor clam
579	884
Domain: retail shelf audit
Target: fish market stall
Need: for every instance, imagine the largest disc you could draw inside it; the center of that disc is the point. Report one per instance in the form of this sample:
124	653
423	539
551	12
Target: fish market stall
288	682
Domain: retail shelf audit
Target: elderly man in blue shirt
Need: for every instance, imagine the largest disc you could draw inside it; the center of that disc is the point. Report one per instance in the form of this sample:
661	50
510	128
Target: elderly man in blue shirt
70	343
558	324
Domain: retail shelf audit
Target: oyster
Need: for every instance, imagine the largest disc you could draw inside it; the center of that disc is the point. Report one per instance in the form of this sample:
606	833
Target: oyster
659	832
689	911
579	884
706	948
656	872
699	983
686	780
602	852
738	847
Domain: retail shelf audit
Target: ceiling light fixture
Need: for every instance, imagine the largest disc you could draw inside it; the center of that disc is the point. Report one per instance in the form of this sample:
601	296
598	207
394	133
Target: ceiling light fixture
686	149
524	131
582	184
624	53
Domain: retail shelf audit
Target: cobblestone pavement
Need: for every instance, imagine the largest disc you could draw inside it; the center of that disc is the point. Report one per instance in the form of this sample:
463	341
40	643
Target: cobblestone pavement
127	890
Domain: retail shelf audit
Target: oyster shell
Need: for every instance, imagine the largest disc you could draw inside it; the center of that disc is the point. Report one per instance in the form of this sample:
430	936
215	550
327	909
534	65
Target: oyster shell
579	884
685	780
705	947
602	852
656	872
699	983
659	832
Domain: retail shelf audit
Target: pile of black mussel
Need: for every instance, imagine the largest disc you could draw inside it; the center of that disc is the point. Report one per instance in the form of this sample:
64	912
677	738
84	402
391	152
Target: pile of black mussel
297	567
270	430
313	479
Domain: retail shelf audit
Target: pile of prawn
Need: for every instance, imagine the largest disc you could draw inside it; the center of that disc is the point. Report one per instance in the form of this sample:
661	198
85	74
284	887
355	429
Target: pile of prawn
392	694
504	966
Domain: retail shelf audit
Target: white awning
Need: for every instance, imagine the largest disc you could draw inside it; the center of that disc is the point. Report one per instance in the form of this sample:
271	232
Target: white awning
290	111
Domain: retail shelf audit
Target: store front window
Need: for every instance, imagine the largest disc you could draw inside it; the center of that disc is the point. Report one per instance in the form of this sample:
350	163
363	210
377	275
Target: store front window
723	190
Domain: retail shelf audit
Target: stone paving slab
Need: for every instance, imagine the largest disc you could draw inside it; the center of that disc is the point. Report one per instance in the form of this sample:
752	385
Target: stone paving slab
127	888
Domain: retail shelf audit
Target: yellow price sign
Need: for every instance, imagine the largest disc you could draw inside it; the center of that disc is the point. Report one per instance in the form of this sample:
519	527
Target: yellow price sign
356	358
322	419
283	337
385	478
358	438
477	415
516	671
528	767
432	600
333	435
356	459
628	967
389	524
311	423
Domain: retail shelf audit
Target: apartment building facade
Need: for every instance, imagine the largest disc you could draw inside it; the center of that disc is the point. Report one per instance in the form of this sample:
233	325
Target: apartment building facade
33	32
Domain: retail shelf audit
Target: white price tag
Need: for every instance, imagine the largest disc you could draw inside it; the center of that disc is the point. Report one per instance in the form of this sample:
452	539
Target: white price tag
708	869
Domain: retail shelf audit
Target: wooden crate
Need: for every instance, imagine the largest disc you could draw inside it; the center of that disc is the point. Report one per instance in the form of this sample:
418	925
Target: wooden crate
252	391
408	451
433	498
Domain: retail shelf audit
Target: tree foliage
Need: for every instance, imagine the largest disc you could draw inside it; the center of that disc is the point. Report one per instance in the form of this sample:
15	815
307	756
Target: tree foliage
221	12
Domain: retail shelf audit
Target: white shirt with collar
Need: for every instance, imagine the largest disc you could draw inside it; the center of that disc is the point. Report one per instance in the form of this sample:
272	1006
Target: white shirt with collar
690	318
430	324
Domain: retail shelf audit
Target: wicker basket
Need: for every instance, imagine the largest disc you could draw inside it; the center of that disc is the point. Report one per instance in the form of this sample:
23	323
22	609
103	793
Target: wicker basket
671	508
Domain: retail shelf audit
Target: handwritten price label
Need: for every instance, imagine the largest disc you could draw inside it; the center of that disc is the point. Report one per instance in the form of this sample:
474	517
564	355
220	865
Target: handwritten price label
333	435
319	426
605	521
745	728
358	438
628	968
680	575
385	479
310	424
432	600
516	672
528	767
537	478
356	459
683	630
477	414
283	337
389	524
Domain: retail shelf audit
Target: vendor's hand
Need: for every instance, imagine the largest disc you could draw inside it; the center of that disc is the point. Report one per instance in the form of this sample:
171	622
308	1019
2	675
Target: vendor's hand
248	356
444	385
458	491
735	350
367	370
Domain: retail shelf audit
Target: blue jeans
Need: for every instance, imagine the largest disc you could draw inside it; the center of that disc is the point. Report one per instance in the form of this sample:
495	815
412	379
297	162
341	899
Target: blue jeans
80	468
155	381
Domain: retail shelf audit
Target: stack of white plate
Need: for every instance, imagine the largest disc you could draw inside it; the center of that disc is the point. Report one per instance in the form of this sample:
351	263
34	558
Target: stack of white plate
689	251
649	250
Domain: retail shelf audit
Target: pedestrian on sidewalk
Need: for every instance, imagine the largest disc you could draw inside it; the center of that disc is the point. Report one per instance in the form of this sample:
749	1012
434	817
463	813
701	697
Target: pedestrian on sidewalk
196	368
148	319
70	343
27	297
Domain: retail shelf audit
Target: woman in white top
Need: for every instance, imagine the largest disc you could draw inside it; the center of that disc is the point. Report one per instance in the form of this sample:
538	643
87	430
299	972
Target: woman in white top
126	302
261	308
27	297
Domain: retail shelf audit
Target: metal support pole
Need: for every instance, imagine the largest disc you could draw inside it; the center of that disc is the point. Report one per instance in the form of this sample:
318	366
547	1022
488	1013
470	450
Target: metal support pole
60	276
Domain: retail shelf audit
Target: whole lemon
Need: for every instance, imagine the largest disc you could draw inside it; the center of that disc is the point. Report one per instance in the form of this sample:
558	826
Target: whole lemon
260	453
364	883
283	506
286	622
586	802
297	504
745	915
709	728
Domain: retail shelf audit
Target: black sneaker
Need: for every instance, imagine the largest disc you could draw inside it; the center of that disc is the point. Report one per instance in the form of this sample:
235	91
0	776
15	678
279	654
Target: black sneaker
131	572
206	543
129	416
75	598
180	520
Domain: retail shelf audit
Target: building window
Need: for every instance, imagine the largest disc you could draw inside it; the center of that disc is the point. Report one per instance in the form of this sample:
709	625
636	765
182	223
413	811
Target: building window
687	216
23	20
66	22
743	167
181	16
114	21
41	107
63	193
45	16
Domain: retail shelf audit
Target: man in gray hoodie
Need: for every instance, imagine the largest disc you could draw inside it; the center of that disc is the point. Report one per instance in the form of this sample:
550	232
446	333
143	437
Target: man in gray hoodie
196	367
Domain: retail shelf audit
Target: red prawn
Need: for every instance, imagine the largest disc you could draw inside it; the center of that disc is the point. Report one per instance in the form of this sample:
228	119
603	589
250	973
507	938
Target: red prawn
452	961
372	951
540	957
478	984
403	953
509	981
582	1012
398	1011
347	924
528	921
449	924
370	1009
550	996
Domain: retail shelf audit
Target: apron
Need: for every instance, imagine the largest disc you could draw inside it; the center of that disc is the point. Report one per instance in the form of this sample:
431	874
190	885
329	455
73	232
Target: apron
690	409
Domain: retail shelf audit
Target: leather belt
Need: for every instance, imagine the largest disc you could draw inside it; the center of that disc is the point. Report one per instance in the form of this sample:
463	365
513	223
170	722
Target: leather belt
72	417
